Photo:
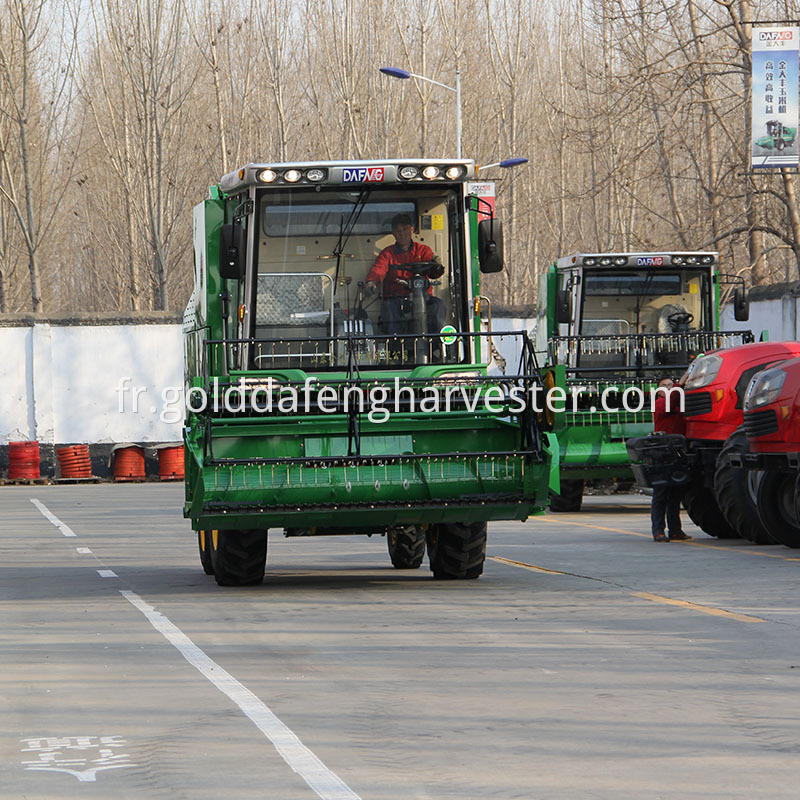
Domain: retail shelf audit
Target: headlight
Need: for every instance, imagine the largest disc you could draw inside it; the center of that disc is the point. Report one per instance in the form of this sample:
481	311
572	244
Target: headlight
408	173
691	259
315	175
605	261
678	260
703	371
267	175
430	172
590	261
620	261
764	388
453	173
707	260
292	175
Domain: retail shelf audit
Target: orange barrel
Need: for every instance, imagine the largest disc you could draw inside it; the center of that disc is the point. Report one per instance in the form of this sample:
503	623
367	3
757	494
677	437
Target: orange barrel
170	463
23	460
75	461
129	463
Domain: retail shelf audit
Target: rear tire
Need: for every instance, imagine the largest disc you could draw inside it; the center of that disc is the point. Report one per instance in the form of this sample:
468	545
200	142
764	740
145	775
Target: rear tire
571	496
736	492
204	546
239	557
701	506
406	546
776	507
456	550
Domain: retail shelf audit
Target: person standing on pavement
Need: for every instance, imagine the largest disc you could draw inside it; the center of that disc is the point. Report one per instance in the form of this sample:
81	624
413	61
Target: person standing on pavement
666	503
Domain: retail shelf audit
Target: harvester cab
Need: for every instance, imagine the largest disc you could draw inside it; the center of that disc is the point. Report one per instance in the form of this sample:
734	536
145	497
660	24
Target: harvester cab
359	413
609	326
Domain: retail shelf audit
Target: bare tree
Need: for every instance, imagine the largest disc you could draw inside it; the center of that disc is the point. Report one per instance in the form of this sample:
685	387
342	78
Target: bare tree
39	141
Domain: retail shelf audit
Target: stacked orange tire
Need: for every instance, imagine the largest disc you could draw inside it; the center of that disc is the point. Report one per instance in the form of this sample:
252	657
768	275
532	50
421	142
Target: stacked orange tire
129	464
75	461
23	461
170	463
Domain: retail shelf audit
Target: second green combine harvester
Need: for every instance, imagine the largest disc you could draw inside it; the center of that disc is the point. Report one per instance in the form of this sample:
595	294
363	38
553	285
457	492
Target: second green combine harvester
612	322
318	411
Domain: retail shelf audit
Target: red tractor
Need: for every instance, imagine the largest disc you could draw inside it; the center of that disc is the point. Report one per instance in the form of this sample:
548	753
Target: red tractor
721	499
772	425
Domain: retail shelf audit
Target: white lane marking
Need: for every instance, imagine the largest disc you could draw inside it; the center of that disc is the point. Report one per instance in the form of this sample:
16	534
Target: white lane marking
50	517
83	550
107	573
323	781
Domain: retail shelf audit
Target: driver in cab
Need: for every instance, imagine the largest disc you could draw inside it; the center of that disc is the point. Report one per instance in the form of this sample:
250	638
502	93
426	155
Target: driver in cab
388	268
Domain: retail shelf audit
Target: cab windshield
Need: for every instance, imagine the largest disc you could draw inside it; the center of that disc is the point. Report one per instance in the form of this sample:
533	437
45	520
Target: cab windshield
656	301
314	253
642	318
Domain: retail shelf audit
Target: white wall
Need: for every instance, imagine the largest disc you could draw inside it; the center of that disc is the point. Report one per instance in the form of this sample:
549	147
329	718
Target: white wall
510	347
60	382
16	385
776	315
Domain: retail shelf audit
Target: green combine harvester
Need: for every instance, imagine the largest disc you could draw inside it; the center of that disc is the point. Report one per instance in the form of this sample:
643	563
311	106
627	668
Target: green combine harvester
322	402
611	323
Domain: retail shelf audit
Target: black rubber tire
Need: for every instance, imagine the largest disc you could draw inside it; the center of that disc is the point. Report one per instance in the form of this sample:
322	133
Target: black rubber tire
204	546
571	496
456	551
239	556
701	506
406	546
775	497
736	489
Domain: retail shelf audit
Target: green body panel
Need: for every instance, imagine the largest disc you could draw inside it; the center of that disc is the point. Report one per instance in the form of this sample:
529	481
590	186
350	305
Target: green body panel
361	495
592	444
404	483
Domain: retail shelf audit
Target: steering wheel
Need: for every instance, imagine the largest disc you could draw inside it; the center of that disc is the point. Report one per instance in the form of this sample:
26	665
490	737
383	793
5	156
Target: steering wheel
680	319
420	267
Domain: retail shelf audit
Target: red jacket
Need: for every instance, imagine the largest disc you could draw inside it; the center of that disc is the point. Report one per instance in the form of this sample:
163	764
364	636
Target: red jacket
384	269
671	421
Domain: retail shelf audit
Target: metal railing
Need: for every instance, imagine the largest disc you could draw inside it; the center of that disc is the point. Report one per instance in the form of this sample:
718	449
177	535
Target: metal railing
341	390
638	354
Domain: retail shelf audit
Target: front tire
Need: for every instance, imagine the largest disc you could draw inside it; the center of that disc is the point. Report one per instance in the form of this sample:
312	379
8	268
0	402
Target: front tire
239	557
736	492
204	546
456	550
776	507
571	496
701	506
406	546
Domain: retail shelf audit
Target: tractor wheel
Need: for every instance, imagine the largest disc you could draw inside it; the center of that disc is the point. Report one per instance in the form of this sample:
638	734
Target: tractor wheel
736	492
406	546
779	143
570	498
239	557
204	545
456	550
701	505
776	507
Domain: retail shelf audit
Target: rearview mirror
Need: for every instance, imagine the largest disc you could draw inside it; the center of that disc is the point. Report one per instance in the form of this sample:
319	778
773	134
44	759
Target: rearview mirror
741	305
563	307
232	252
490	245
